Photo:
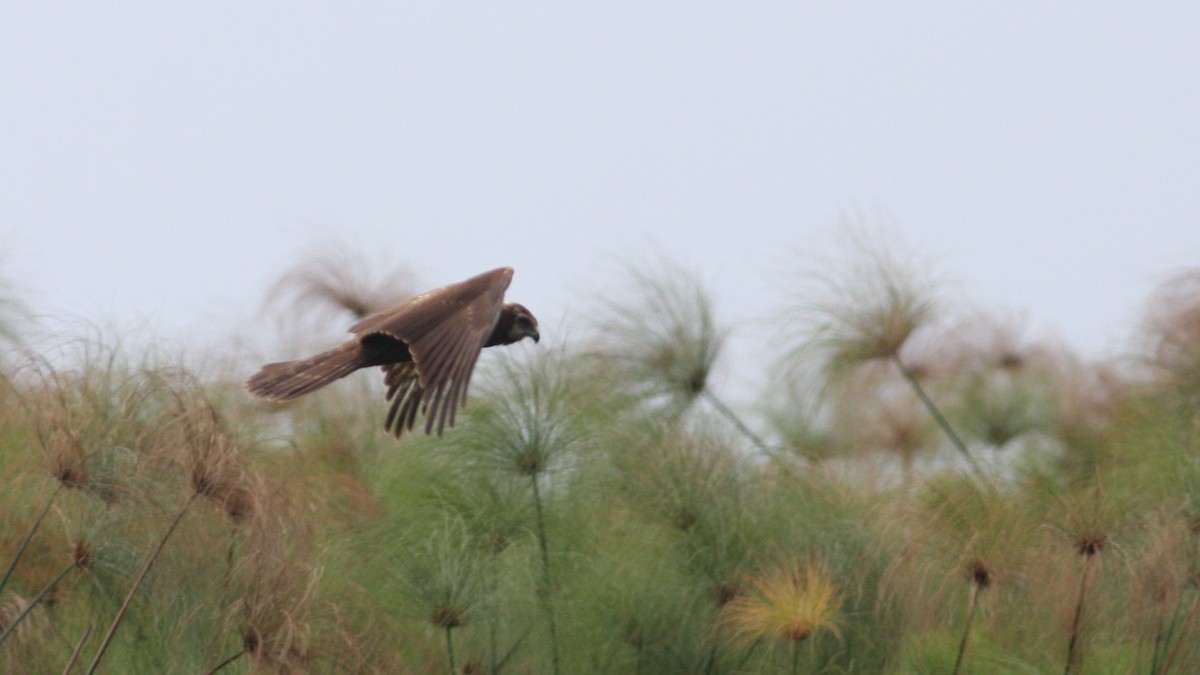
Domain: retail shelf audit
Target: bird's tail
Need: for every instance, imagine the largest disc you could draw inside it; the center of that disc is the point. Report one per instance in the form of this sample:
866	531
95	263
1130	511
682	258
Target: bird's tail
286	380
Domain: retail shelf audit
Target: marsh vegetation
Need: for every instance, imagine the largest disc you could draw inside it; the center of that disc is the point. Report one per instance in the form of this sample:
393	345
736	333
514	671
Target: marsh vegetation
918	488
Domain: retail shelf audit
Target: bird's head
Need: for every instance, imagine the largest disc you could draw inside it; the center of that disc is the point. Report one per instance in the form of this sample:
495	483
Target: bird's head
517	323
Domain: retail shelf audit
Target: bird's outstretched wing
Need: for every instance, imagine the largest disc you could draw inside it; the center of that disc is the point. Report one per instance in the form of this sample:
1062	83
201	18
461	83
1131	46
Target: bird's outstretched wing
405	393
444	330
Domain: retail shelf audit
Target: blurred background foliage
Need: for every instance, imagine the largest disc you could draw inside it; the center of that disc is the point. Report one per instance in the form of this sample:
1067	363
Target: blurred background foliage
917	487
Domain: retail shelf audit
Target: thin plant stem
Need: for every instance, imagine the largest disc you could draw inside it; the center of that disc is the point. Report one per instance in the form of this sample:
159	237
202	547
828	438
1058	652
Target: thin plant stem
710	665
112	629
736	421
938	417
1183	631
1162	637
492	644
36	600
78	650
1074	656
962	645
546	591
232	553
511	651
450	649
748	655
795	656
226	662
37	523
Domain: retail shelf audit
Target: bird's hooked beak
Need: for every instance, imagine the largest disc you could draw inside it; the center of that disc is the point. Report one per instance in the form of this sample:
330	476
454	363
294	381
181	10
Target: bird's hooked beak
533	333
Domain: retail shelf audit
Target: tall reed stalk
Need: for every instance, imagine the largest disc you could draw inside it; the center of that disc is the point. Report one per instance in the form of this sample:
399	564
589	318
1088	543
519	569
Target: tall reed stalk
546	583
941	420
527	424
736	421
981	578
1090	548
1182	638
450	650
37	599
137	583
227	662
33	528
87	632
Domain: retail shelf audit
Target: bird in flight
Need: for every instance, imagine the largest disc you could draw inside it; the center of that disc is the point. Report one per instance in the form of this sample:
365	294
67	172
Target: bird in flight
427	347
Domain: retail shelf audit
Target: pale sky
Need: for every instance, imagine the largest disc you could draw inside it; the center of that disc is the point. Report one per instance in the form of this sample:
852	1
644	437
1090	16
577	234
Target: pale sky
162	163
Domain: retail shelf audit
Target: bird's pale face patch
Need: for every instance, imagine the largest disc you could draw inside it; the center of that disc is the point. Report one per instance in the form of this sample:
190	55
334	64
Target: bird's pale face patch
524	324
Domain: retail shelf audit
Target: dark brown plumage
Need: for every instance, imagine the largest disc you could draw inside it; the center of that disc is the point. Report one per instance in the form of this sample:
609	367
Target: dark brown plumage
427	347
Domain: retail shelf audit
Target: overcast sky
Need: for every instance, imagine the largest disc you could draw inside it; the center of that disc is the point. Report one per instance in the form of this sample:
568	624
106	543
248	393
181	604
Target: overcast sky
164	162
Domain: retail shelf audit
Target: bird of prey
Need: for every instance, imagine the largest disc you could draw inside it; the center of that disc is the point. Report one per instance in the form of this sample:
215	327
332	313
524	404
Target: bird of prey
427	347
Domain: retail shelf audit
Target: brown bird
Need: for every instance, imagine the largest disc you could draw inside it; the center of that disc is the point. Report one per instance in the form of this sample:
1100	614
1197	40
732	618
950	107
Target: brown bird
427	347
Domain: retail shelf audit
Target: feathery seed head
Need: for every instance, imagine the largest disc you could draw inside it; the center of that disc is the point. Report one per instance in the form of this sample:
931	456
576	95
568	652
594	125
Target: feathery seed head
1086	519
789	602
1091	543
239	502
1163	568
338	278
980	573
274	598
89	419
725	592
803	418
867	311
999	406
659	334
211	457
81	553
684	519
528	418
1172	330
441	574
34	626
447	617
689	477
959	529
65	457
251	641
892	422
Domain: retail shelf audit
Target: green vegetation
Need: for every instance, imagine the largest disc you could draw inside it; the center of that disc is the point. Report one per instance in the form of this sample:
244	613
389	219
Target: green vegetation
917	493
